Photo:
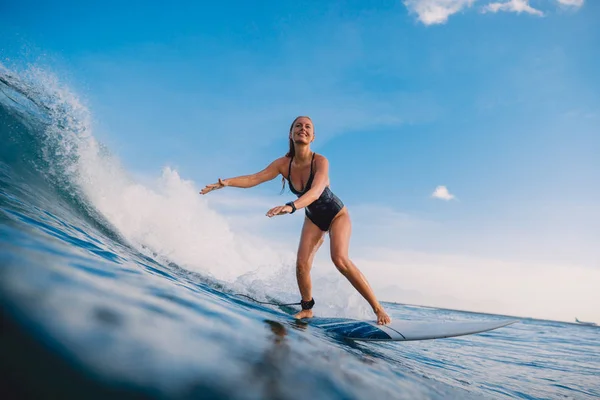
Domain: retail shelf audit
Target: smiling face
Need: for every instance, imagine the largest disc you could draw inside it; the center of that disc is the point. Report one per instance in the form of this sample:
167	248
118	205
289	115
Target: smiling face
302	131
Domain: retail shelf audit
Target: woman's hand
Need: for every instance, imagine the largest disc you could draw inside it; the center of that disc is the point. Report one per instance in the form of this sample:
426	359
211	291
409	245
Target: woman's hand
279	210
209	188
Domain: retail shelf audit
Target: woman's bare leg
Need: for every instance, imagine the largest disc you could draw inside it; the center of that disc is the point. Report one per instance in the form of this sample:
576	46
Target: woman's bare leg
339	233
310	241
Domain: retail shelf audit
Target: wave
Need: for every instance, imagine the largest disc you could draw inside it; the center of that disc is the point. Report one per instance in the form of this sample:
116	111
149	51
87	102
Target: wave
43	127
51	149
49	145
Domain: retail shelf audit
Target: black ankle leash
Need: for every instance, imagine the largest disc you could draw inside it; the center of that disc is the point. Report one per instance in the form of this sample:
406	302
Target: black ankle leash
307	305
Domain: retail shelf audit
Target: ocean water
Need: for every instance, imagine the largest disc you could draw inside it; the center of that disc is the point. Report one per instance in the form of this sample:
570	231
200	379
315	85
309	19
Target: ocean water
103	294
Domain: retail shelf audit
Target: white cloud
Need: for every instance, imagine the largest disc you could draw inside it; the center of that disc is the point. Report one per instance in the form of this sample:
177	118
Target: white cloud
431	12
436	11
441	192
573	3
518	6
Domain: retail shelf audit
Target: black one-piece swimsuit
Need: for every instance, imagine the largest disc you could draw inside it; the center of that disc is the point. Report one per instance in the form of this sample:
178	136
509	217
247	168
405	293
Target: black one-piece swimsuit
322	211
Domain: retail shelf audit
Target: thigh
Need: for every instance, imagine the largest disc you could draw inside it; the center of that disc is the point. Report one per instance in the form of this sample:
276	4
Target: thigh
339	234
310	241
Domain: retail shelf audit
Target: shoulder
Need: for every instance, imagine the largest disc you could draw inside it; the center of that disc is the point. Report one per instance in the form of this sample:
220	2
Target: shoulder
281	160
321	160
281	163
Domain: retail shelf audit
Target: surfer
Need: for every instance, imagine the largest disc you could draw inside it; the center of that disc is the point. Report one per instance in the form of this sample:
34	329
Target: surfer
307	174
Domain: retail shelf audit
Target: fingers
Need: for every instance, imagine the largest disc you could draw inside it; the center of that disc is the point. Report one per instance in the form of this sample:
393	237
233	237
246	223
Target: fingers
274	211
208	188
213	186
279	210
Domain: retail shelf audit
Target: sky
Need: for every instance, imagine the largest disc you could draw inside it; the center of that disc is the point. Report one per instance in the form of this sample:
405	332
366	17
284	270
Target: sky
461	134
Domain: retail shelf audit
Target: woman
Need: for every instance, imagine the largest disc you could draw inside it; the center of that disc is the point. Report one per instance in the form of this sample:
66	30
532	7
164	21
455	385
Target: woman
324	213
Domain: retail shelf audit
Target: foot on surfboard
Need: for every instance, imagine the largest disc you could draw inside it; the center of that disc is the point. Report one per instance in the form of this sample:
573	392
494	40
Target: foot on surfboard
382	317
304	314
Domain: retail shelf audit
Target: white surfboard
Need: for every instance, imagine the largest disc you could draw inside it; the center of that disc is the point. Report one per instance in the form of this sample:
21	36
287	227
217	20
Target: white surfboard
399	330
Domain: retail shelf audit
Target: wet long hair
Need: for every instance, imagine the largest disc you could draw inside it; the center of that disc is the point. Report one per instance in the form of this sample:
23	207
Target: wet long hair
292	150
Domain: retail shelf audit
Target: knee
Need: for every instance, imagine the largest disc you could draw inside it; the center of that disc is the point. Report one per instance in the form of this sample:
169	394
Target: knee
302	266
341	262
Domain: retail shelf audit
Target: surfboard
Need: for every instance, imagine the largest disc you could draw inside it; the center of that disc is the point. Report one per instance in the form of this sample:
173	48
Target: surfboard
399	330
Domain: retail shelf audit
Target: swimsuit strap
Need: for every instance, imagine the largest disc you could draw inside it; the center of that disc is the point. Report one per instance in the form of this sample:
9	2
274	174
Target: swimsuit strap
311	176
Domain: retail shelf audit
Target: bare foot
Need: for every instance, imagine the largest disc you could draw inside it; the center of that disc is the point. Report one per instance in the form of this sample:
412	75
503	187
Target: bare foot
382	317
304	314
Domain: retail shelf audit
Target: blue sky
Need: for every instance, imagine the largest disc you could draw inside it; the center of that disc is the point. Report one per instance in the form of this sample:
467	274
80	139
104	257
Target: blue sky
498	101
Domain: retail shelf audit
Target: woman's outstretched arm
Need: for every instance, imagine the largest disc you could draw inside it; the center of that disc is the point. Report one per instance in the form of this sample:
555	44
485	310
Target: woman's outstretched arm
248	181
